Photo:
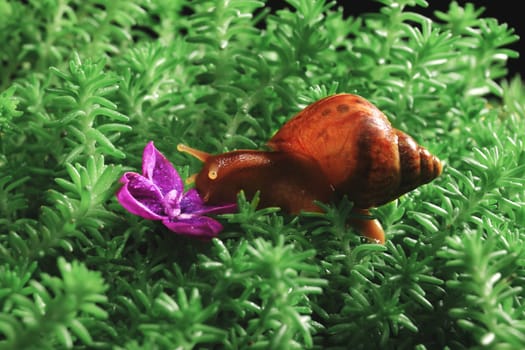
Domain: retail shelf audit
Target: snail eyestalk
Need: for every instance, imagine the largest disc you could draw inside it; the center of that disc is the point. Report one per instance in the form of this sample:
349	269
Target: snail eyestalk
213	172
191	179
200	155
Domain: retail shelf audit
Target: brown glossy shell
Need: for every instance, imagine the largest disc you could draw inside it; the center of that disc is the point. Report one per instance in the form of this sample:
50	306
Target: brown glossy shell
357	148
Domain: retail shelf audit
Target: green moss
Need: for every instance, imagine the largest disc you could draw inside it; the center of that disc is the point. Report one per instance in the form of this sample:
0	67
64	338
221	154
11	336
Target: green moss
84	85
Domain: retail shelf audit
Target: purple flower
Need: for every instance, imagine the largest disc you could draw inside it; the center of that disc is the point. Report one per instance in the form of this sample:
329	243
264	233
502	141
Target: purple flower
158	194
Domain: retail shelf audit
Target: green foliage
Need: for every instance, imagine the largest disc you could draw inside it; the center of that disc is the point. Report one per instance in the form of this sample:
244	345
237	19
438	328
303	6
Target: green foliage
84	85
62	306
8	111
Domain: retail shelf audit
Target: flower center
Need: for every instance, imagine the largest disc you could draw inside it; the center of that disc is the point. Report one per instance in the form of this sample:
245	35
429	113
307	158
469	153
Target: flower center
171	203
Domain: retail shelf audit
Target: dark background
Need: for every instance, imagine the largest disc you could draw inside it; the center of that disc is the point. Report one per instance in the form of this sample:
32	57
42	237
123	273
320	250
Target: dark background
503	11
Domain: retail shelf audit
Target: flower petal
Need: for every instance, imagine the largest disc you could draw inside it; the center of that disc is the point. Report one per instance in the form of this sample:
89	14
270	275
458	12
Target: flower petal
140	196
192	203
160	171
193	225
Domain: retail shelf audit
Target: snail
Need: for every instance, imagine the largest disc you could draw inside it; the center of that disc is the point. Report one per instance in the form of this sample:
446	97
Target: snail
340	145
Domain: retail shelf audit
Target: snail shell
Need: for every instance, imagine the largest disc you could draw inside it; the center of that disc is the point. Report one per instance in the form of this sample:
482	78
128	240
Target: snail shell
357	148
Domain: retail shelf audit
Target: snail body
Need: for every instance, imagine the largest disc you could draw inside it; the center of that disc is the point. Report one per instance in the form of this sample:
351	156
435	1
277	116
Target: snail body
289	181
340	145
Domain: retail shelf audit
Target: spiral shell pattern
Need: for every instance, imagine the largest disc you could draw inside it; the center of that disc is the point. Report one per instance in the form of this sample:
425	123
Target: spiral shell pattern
361	154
